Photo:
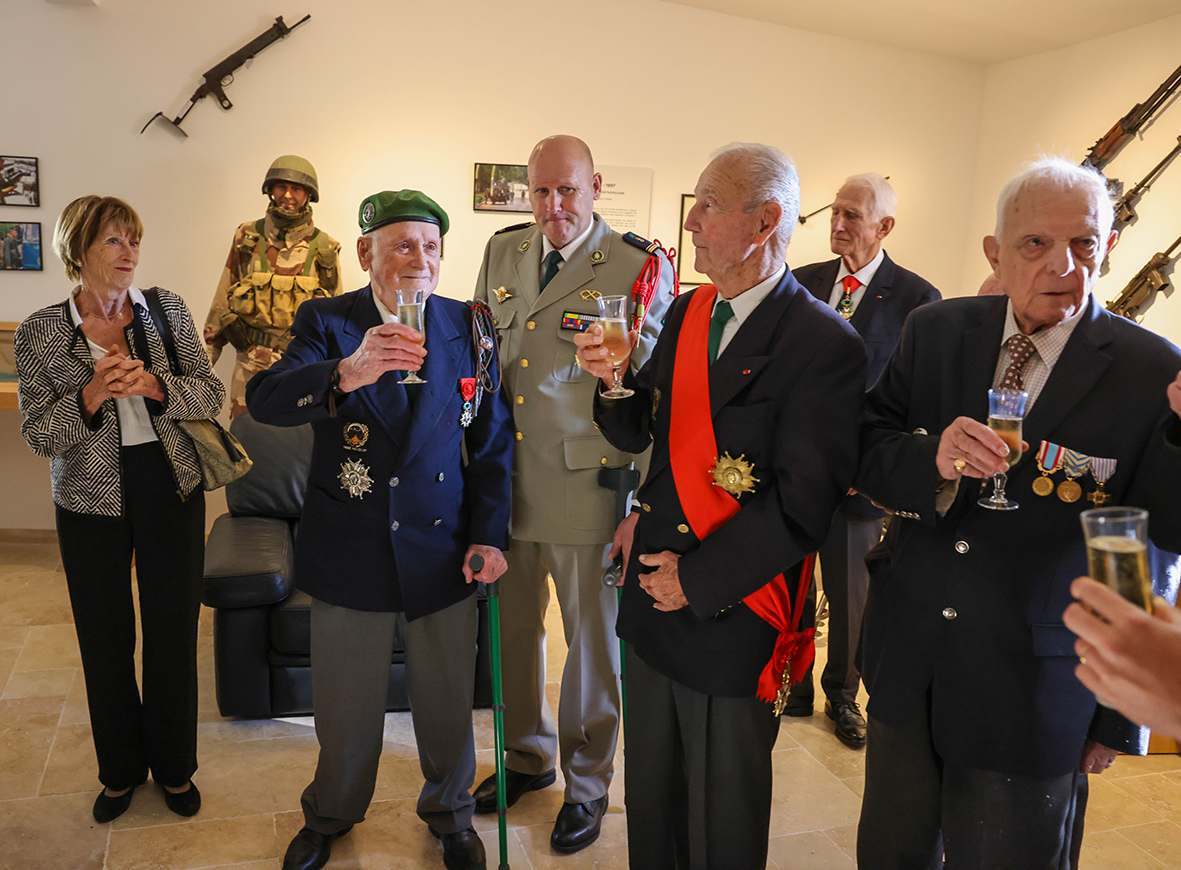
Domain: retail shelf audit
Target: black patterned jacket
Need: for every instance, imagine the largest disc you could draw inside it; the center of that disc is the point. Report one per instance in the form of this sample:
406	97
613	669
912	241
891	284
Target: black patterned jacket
54	363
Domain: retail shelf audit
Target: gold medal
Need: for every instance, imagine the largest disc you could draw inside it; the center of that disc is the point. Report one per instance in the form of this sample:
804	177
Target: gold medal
1049	460
1043	486
734	475
1069	491
1075	465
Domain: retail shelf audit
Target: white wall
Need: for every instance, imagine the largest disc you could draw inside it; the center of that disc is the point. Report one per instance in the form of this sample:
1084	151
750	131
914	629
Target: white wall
380	94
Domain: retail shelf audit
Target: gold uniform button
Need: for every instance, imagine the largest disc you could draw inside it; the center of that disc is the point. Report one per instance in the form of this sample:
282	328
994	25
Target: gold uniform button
531	325
603	461
520	400
647	508
520	436
524	363
683	529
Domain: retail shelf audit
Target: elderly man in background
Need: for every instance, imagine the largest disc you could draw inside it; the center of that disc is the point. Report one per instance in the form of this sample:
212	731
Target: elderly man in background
406	485
750	402
875	295
542	281
980	736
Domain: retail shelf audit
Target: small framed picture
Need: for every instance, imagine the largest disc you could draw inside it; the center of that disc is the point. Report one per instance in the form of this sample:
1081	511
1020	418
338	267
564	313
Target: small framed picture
22	246
20	183
686	274
500	187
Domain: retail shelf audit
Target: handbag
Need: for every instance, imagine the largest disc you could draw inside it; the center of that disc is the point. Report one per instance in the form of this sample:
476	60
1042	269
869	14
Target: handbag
221	456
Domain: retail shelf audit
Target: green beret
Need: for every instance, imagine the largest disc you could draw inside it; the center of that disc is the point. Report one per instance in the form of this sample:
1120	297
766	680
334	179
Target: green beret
391	207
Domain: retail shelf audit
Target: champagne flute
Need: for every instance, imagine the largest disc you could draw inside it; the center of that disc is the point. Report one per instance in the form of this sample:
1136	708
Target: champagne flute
1006	410
616	340
411	310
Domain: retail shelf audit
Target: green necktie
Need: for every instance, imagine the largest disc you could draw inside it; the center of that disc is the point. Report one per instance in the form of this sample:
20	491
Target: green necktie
723	314
552	259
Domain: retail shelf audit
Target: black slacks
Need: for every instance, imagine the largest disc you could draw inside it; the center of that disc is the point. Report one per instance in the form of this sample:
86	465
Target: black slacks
167	535
697	781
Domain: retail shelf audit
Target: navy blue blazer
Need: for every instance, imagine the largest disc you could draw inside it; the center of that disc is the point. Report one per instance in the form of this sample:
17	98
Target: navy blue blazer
893	293
786	394
398	546
966	609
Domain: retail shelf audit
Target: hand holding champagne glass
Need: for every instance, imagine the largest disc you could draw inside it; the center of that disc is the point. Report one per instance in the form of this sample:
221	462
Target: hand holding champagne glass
411	310
1006	411
616	340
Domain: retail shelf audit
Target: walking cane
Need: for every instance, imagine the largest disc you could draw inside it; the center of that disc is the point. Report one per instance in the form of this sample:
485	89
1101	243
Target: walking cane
476	563
621	481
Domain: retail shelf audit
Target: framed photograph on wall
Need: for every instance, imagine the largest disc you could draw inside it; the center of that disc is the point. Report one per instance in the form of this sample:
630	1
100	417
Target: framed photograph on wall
500	187
20	182
686	274
21	246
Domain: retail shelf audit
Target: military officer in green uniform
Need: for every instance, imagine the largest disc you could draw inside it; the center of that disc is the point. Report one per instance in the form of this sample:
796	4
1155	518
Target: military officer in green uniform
274	265
541	281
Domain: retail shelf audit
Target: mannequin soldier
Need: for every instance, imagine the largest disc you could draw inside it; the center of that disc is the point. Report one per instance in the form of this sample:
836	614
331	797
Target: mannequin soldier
275	263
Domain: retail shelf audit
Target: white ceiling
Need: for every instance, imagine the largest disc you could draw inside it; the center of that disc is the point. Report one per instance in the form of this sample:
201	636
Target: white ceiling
981	32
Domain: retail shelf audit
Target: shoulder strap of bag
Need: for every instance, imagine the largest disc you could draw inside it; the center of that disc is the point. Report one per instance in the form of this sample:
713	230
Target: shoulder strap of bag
163	326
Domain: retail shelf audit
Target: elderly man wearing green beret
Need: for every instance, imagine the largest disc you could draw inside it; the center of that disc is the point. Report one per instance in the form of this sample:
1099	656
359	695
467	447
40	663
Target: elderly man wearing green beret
406	485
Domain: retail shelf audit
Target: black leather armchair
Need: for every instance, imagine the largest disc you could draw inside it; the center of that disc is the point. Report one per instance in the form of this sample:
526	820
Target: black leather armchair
262	624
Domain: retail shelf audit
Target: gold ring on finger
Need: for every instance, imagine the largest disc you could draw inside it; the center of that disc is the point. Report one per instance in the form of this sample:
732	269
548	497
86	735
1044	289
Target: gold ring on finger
959	465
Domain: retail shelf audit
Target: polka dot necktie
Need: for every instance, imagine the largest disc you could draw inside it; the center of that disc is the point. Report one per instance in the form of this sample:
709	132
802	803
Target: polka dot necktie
845	306
1020	350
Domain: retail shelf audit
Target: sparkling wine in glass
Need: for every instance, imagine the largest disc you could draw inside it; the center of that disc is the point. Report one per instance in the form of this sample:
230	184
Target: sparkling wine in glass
411	311
1006	410
616	340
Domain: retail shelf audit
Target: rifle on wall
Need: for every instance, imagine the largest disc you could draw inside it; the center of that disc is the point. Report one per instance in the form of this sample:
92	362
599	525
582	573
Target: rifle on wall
1125	206
1125	128
222	75
1147	281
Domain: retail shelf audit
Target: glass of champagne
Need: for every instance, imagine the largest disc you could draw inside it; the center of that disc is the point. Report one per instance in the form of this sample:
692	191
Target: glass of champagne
411	308
617	340
1006	410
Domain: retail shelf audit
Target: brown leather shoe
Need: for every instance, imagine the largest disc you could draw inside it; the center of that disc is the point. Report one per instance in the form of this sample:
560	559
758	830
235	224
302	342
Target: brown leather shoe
850	728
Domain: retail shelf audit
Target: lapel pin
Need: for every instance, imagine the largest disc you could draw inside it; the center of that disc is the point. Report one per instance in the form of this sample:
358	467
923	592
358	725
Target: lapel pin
597	257
502	294
746	371
524	246
588	295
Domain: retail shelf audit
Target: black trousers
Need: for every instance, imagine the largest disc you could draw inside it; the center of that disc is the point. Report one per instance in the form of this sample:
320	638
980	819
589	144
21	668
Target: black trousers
697	781
167	536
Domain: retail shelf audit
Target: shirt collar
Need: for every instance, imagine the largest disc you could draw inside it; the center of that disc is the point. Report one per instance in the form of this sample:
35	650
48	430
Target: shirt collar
865	273
571	248
747	301
1048	342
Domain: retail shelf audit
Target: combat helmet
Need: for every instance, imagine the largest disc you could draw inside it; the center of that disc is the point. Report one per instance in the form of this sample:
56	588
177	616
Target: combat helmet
296	170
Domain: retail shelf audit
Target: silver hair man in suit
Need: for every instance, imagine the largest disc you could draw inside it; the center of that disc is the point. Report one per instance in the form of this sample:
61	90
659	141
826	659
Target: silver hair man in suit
542	281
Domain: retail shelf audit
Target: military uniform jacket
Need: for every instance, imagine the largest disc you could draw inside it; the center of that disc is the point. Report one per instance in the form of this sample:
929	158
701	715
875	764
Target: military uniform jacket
786	394
398	546
968	606
556	495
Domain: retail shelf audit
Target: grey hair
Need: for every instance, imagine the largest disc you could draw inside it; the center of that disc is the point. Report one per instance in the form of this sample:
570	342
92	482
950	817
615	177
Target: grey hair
883	201
771	177
1062	175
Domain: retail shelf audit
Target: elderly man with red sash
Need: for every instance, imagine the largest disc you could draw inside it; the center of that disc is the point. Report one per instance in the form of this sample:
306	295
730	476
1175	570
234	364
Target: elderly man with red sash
750	401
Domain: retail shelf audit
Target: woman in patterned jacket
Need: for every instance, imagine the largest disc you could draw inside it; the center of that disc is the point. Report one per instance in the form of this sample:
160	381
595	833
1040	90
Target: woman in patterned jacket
101	401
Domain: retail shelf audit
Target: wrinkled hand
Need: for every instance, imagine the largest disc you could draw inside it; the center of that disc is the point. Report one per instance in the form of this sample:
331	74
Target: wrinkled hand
663	584
1096	757
591	353
386	348
1128	657
976	444
137	381
117	377
1174	394
622	542
494	564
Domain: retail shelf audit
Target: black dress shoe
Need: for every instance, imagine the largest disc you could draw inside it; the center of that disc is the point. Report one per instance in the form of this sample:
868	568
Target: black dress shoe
107	808
850	728
309	850
462	850
578	825
184	803
515	785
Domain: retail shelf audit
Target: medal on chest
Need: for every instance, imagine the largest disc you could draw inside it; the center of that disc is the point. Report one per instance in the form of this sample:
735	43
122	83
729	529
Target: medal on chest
1049	460
1075	465
354	478
1101	469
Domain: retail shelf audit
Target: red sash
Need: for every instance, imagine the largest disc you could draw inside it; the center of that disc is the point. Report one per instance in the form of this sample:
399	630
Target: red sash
693	452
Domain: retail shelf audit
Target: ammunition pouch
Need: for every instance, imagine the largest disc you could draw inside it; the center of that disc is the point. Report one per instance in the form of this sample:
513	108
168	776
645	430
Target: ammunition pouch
265	299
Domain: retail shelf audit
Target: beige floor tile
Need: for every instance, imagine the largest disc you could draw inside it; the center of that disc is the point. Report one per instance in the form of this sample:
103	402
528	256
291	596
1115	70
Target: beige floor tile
269	864
22	555
810	851
609	852
50	646
195	843
815	735
38	598
76	712
1110	807
233	730
13	637
1110	850
845	837
39	684
72	765
856	784
1156	790
1138	765
807	797
27	729
52	833
8	658
1162	840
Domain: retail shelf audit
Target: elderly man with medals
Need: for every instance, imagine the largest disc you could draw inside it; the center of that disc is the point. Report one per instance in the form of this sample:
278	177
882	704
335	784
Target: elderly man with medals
409	480
750	401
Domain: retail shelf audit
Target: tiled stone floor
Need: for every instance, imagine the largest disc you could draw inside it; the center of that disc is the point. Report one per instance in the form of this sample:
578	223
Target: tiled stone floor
252	773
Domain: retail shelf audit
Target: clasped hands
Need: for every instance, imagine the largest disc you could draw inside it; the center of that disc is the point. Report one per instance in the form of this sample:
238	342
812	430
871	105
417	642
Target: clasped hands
116	376
387	348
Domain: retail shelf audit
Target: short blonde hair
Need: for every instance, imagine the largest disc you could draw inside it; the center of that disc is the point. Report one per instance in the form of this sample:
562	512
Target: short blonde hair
82	221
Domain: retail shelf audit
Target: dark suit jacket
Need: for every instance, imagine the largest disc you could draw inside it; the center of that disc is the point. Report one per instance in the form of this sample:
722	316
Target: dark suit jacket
968	606
785	393
400	546
893	293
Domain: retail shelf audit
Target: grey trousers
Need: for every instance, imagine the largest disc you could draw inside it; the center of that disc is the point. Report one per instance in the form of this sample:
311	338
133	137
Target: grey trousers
588	710
351	651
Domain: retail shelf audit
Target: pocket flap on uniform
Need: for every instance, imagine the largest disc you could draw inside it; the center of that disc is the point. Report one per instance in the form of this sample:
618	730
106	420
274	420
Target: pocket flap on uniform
502	318
593	451
1052	639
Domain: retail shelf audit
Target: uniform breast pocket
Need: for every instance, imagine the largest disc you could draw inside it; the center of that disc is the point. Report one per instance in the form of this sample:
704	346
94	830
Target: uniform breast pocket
745	430
503	321
566	370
